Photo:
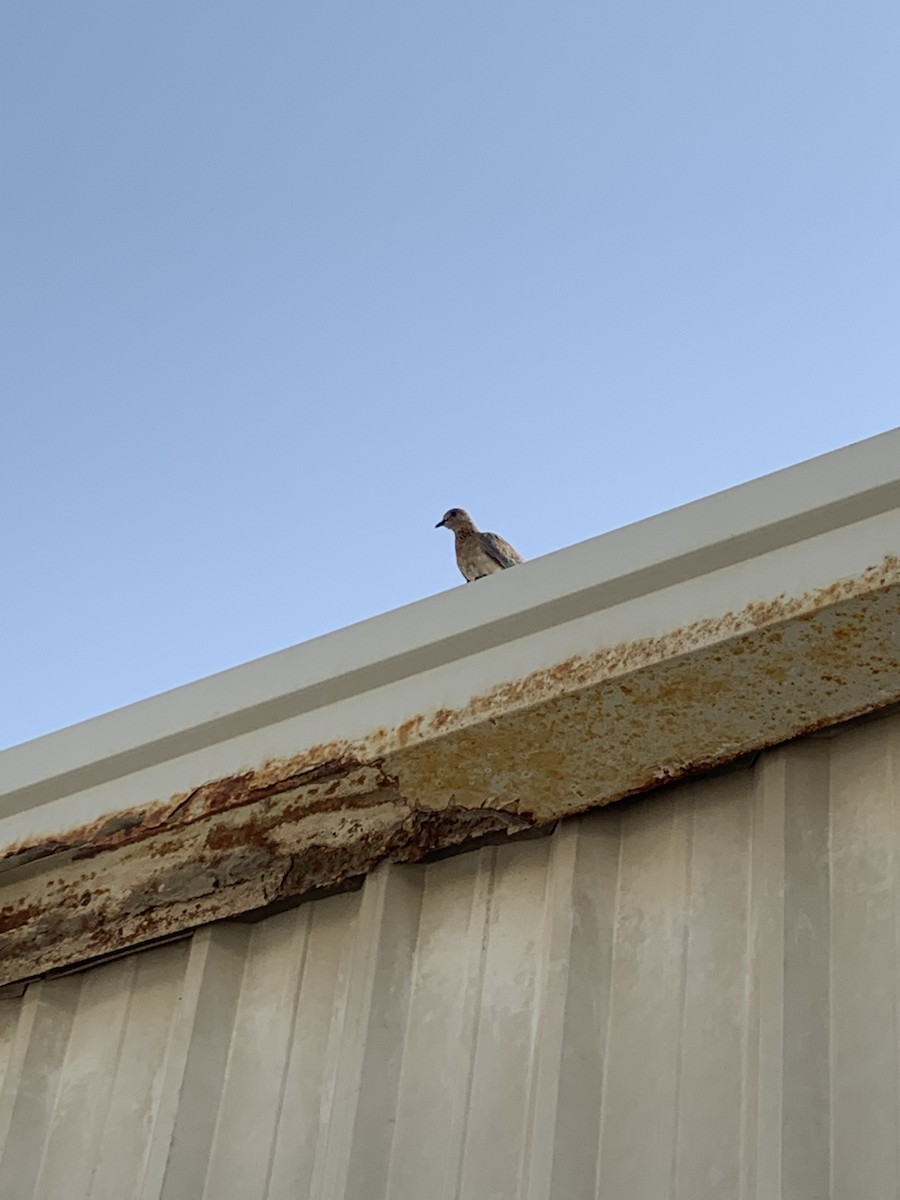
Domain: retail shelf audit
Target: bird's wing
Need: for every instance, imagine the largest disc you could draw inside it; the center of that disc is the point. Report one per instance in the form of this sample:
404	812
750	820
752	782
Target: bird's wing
500	550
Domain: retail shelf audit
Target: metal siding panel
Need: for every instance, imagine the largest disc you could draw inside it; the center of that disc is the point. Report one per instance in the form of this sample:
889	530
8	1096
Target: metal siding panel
584	1050
550	1012
203	1033
497	1117
387	1020
38	1053
84	1093
806	1067
250	1100
9	1019
439	1048
690	996
639	1110
346	1048
864	960
137	1078
760	1147
713	1010
16	1018
308	1089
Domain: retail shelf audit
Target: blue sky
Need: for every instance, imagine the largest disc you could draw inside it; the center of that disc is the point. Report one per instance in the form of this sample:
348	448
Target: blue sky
282	282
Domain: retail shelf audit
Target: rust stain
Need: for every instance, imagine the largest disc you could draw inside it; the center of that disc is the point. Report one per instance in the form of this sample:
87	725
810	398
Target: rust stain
249	874
593	729
236	791
12	917
689	702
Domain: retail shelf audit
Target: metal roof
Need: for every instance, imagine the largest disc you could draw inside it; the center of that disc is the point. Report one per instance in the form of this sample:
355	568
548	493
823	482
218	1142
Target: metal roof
646	655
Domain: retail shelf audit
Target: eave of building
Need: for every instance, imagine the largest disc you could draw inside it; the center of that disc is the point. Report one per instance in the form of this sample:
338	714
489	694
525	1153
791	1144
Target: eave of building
639	657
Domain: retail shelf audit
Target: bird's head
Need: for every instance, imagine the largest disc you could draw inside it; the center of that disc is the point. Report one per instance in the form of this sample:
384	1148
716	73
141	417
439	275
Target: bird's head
455	518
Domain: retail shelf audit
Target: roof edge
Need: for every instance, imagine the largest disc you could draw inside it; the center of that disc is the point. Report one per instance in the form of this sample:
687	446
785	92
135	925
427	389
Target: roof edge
741	523
594	674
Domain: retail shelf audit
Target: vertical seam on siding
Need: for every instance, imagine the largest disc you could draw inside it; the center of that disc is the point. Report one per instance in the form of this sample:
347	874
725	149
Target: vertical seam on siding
609	1007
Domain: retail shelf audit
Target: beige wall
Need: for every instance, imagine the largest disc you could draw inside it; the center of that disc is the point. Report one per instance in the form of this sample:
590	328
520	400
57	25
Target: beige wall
691	996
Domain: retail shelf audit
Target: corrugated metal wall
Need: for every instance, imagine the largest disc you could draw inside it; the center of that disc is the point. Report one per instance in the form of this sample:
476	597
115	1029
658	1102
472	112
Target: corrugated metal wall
691	996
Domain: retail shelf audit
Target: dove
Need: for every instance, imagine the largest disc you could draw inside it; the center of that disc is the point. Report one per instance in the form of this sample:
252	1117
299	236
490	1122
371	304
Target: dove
477	554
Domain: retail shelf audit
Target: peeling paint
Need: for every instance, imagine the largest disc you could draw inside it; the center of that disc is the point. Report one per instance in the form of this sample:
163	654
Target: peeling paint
595	728
144	896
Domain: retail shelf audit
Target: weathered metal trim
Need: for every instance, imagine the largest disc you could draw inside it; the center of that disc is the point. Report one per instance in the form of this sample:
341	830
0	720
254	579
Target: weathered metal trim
531	745
516	758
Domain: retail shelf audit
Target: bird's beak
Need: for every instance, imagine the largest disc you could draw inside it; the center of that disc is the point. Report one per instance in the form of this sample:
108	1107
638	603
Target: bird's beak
439	524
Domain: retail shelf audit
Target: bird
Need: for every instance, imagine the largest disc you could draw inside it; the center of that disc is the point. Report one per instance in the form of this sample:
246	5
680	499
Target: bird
477	554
